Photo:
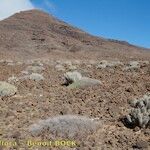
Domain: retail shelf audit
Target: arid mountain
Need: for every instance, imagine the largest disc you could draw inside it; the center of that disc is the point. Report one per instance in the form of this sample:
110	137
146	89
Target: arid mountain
34	34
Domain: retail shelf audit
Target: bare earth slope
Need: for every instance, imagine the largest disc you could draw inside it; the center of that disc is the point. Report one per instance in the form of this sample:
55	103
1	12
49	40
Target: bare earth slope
35	33
36	50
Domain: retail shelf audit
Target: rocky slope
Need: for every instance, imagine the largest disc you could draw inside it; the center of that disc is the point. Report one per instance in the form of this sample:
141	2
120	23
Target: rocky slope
35	33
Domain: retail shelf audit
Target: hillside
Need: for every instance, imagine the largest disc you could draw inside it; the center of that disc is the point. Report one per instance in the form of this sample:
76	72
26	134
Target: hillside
35	33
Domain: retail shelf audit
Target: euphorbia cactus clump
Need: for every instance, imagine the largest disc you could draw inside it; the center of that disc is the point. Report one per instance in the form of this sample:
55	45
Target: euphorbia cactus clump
140	113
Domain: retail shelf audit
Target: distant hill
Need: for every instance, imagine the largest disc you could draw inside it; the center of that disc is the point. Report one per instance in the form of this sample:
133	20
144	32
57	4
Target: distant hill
35	33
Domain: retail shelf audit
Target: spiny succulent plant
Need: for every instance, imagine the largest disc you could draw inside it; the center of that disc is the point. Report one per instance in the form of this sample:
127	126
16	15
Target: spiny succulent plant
104	63
35	69
7	89
36	77
132	65
13	79
67	125
140	113
72	77
75	80
60	67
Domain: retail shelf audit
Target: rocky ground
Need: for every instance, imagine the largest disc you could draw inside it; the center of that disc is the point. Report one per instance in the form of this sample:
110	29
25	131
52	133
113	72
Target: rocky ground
41	94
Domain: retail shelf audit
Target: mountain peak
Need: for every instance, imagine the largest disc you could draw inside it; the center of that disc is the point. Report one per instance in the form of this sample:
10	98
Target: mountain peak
32	15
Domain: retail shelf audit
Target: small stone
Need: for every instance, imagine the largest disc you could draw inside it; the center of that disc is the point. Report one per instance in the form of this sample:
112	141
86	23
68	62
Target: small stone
136	129
129	89
16	135
141	145
147	132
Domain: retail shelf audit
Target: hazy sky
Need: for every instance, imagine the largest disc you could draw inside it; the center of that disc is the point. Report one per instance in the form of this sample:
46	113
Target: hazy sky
9	7
127	20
